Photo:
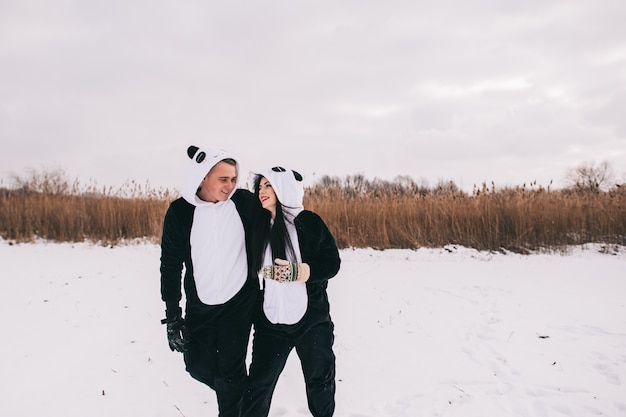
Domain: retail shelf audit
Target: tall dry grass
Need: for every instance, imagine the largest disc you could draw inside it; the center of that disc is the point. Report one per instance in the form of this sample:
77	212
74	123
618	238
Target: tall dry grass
382	215
49	207
360	213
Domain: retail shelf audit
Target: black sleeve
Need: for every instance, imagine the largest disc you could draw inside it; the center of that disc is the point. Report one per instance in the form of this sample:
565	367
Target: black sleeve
174	251
317	246
256	221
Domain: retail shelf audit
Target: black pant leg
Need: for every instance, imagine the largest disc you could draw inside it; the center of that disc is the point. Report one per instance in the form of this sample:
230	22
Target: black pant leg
200	357
315	349
269	356
232	344
216	354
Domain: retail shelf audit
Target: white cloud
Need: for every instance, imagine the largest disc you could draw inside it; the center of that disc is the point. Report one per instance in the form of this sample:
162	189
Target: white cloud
446	89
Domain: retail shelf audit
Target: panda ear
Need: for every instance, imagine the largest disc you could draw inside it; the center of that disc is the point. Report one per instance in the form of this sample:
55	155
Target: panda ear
191	151
297	175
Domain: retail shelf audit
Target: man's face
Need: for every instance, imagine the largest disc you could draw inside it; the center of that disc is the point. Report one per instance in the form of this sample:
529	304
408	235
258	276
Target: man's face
218	183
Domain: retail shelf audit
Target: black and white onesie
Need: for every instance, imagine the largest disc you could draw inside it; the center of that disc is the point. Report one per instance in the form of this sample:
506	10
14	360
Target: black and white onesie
212	241
296	314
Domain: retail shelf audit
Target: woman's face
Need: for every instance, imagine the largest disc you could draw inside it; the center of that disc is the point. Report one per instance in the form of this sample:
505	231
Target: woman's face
267	196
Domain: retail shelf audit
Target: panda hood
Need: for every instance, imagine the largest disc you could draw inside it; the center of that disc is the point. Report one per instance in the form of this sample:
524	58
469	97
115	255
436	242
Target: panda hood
287	184
201	160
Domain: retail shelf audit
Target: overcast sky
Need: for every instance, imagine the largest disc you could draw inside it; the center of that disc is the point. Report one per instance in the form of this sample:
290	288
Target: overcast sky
466	90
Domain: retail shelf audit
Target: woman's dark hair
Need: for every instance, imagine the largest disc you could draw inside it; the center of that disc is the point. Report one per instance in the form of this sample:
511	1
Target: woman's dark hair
277	236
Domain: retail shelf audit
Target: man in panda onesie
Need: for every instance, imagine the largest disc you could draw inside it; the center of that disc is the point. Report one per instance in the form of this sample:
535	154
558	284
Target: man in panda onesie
300	256
209	231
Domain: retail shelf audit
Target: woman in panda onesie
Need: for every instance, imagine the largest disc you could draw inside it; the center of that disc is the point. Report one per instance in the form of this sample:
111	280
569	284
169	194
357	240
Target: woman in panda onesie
209	230
300	256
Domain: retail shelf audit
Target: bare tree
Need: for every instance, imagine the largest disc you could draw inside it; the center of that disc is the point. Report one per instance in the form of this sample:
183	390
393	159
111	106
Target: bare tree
590	176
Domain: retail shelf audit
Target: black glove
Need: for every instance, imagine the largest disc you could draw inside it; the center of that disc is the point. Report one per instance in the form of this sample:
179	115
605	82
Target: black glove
176	332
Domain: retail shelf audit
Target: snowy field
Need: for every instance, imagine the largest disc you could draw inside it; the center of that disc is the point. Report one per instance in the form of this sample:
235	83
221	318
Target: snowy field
440	332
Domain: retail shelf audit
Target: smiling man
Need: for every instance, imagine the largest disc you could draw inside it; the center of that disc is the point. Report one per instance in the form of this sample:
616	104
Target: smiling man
209	231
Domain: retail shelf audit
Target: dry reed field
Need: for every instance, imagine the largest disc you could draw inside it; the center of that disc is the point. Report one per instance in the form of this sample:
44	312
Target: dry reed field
46	206
361	213
396	215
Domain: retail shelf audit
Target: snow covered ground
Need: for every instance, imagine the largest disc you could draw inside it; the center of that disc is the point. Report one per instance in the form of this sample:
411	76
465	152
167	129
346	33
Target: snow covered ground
439	332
